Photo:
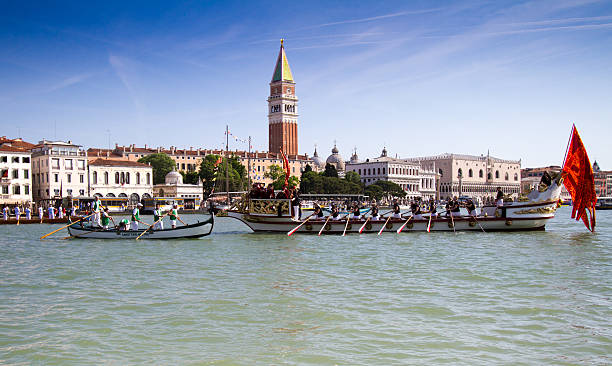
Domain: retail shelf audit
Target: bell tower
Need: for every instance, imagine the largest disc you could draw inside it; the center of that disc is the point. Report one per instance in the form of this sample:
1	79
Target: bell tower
282	108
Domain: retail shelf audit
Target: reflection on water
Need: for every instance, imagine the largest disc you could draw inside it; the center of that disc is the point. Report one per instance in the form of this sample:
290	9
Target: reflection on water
241	298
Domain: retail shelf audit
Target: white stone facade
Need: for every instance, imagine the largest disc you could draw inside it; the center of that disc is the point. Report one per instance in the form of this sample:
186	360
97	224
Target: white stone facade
116	178
58	169
15	176
474	176
414	180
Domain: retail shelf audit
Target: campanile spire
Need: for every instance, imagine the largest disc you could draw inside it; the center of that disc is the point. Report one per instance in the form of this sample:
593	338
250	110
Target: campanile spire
282	107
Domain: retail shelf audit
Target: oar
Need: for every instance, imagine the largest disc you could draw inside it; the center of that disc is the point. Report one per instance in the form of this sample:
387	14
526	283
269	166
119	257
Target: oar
18	216
299	226
63	227
348	218
149	228
453	222
474	217
429	223
363	226
385	225
406	223
323	227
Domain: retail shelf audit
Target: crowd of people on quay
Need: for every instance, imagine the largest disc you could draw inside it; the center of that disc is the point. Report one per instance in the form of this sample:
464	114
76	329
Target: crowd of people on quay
25	211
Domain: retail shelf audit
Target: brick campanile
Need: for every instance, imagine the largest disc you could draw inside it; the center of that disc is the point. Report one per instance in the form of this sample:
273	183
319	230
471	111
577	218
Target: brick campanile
282	108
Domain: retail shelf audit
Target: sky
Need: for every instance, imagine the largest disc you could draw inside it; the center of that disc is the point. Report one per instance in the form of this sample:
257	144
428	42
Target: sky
417	77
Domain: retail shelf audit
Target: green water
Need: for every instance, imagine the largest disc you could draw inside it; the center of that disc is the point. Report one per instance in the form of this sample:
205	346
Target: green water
236	298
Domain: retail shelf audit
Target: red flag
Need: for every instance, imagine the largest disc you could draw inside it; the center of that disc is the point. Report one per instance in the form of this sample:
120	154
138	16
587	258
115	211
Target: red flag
580	181
218	161
286	167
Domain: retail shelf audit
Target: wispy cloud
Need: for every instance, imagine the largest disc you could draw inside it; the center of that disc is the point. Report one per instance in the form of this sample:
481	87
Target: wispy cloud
69	81
375	18
123	68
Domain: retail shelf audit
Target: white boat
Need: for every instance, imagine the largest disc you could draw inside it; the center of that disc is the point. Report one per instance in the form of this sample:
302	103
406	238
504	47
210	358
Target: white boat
530	213
197	230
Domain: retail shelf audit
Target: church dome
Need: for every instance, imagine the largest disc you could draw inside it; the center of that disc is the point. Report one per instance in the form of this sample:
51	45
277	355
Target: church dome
174	178
354	157
318	162
336	160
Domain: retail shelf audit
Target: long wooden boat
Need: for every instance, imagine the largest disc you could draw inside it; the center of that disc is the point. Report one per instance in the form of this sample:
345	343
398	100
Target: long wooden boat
46	220
604	203
530	213
191	231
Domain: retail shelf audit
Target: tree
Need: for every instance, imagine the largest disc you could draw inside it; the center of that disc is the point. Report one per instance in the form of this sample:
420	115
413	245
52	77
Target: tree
190	177
208	171
277	174
215	176
353	177
307	168
161	163
330	171
390	189
374	191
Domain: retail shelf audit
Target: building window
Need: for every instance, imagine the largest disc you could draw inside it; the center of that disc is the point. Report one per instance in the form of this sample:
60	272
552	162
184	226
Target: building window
68	164
56	178
55	163
127	178
4	159
148	178
95	177
15	174
506	177
26	189
16	190
81	192
480	173
105	177
470	173
137	178
497	174
515	177
117	178
26	174
69	178
81	178
81	164
69	191
122	177
25	159
5	189
15	159
384	171
460	173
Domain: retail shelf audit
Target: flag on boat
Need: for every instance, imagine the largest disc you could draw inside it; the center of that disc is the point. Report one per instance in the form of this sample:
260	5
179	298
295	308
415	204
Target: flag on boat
580	181
286	168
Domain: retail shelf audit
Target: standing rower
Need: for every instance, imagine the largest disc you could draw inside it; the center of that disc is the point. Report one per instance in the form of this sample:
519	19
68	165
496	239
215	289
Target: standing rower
157	215
17	212
41	212
97	207
174	216
135	217
28	212
499	200
51	213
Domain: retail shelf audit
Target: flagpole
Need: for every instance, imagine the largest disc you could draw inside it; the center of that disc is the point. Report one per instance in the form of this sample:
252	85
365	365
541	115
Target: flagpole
226	163
249	164
569	141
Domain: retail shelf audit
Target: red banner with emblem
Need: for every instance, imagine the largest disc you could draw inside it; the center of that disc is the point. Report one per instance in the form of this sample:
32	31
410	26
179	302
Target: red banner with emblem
286	168
579	181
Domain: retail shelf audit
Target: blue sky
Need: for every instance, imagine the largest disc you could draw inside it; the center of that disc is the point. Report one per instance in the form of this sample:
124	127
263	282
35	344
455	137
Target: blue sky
419	77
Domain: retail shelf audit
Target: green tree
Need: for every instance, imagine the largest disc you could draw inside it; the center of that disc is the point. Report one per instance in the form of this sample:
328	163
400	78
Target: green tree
390	189
311	182
161	163
208	172
330	171
374	191
190	177
277	174
353	177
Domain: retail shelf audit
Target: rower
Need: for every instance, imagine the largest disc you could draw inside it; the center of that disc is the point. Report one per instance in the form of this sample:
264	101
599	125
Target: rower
471	208
123	224
396	209
51	213
174	215
335	213
454	207
28	213
17	212
318	213
499	201
356	211
106	219
97	207
135	217
296	203
41	212
374	211
415	208
157	215
432	208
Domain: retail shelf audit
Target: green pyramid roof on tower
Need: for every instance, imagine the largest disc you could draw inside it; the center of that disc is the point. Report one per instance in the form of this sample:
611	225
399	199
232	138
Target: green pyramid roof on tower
282	72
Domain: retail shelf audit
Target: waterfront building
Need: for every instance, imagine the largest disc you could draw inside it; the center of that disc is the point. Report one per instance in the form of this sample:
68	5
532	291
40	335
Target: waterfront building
282	108
59	169
603	181
15	174
474	176
174	187
120	178
415	180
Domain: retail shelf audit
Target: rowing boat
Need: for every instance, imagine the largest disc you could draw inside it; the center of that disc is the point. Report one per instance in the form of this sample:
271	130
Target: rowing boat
196	230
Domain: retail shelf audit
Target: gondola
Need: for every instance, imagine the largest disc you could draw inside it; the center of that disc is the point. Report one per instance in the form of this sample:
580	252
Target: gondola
191	231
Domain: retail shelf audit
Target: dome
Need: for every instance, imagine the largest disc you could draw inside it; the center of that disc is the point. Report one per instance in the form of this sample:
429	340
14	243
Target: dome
336	160
318	162
174	178
384	152
354	157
